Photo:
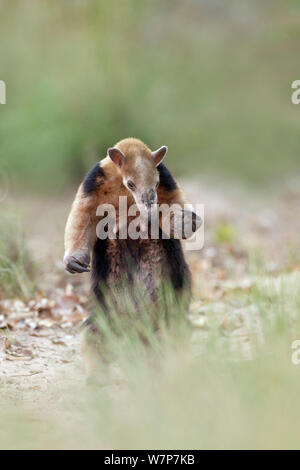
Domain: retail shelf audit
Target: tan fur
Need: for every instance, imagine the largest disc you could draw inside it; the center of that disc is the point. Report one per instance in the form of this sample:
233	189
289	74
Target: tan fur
132	147
171	197
80	232
139	164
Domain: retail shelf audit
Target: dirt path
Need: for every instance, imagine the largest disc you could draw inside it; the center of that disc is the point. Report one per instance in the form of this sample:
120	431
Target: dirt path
40	345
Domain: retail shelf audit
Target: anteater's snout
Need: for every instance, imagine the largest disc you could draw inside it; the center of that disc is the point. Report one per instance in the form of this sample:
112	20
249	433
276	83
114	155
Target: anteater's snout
149	201
149	198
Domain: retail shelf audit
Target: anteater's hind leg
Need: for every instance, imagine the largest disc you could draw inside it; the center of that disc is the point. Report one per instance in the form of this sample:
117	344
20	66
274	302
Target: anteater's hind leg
145	266
109	267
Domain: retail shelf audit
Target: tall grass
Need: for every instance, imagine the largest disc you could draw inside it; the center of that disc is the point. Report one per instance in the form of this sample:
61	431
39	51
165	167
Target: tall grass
16	266
214	397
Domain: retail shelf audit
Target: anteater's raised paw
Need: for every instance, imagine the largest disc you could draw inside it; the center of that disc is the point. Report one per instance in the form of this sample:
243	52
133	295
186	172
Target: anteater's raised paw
77	262
184	224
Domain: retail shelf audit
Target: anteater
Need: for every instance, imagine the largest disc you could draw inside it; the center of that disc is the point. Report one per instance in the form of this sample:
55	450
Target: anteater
130	169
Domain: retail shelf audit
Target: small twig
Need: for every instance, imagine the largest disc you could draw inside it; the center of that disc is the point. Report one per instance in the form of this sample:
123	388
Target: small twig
26	375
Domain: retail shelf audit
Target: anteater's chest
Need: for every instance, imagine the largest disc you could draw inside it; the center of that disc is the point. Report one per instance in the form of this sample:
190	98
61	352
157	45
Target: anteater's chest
142	260
147	262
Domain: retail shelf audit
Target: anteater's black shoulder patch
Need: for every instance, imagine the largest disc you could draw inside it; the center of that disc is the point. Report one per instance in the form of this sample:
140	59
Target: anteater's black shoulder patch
93	179
166	180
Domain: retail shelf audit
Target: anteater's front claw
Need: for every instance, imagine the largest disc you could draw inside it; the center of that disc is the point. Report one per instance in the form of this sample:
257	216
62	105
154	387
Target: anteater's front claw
184	224
77	262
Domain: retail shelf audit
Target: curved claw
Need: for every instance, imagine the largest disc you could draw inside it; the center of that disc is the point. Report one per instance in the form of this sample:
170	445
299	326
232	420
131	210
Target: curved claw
197	222
77	263
75	266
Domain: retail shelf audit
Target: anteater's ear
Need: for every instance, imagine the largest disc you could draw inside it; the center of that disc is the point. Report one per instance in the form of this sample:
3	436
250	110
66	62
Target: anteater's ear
116	156
159	154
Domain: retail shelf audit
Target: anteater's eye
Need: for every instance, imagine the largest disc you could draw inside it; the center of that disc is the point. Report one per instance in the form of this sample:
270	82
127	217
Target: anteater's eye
131	185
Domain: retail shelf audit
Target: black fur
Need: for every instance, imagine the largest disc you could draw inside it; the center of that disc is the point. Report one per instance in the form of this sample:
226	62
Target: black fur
92	181
100	268
166	180
179	270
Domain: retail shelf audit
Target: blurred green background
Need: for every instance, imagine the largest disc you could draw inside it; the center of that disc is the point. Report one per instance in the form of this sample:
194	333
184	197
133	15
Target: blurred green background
211	79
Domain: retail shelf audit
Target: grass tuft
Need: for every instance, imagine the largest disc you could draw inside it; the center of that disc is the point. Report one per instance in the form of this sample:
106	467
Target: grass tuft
16	266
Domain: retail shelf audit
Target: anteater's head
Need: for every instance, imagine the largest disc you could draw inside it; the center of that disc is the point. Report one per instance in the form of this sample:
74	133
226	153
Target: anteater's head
138	166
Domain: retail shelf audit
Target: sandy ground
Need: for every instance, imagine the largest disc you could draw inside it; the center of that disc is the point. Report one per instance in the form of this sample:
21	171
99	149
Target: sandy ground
40	340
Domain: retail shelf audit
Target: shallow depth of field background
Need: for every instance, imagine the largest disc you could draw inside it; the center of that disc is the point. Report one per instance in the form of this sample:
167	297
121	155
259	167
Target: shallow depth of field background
212	80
